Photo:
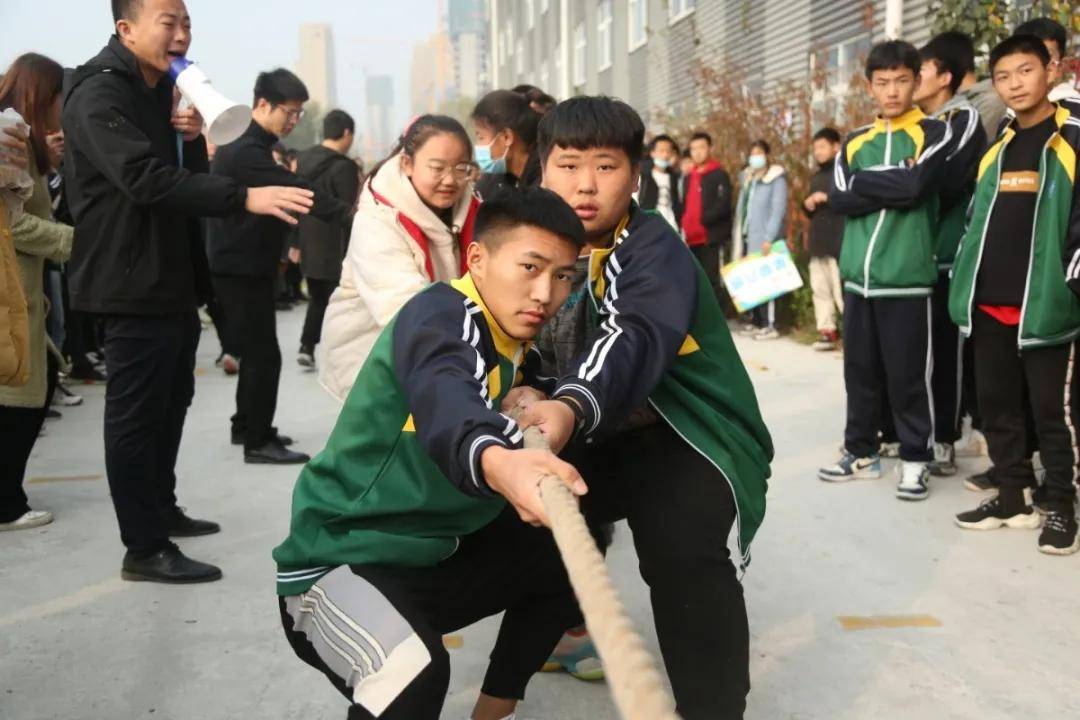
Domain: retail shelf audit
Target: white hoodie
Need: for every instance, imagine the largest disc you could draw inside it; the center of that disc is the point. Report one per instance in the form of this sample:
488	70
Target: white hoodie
382	270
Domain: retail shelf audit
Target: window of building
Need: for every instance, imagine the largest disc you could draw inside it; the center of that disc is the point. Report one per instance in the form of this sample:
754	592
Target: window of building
637	12
529	13
844	61
603	34
579	54
678	9
519	57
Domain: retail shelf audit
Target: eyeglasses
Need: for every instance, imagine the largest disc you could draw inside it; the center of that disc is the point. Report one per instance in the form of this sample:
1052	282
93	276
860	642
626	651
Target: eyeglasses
296	115
462	172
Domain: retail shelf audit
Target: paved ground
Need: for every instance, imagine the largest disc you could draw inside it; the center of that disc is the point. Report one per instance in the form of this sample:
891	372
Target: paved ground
992	626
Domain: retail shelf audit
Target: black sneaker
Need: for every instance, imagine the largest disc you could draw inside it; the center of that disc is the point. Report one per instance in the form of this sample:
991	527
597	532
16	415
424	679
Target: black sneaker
306	356
1059	536
983	481
996	513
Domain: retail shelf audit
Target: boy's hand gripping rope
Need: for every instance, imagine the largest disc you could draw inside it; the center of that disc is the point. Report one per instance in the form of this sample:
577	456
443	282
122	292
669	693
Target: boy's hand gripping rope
636	684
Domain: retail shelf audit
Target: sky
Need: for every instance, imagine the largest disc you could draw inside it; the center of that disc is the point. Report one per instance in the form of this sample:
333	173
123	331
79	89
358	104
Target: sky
235	39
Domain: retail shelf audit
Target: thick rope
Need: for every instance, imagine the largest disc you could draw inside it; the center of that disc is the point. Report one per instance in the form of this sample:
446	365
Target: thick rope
636	684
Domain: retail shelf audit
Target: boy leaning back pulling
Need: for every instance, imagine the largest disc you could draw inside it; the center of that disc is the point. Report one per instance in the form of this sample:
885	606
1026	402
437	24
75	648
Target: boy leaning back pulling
669	434
400	528
1010	293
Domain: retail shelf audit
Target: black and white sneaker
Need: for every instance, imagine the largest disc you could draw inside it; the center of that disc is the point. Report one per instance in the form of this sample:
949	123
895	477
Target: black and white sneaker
914	481
306	356
1059	536
996	513
944	462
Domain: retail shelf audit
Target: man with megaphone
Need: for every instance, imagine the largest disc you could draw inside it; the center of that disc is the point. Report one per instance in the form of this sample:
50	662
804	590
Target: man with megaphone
137	181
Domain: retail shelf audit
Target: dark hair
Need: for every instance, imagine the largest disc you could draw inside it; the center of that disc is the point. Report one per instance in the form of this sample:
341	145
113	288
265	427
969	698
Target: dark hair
951	52
1019	44
532	207
31	86
892	55
1045	29
279	86
418	132
538	100
701	135
663	138
125	9
760	144
829	134
592	122
336	123
503	109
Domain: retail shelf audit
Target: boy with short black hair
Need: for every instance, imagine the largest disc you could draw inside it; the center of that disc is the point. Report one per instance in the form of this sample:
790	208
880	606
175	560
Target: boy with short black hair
707	208
669	432
1010	294
885	184
824	238
944	64
400	528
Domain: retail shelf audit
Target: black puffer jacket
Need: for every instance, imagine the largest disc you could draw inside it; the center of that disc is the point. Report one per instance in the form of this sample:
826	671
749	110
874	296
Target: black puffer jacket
135	203
322	244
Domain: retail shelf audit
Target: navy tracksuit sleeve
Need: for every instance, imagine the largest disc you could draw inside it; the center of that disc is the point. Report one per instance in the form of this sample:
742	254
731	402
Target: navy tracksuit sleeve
903	186
648	306
532	372
439	362
962	163
842	198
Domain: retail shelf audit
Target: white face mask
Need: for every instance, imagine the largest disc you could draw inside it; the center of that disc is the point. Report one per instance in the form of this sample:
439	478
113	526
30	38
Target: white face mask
756	162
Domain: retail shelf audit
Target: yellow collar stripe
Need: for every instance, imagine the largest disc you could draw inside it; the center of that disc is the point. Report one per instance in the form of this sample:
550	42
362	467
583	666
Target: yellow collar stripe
510	348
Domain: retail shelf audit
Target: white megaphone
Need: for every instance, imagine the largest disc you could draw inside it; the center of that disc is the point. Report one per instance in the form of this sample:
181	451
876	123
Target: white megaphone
225	119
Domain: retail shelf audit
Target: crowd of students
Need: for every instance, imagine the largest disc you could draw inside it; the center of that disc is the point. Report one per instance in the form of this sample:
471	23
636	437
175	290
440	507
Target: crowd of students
553	274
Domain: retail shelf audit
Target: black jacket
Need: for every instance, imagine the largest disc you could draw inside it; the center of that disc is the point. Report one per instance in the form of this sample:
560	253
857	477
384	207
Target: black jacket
322	244
649	193
137	248
826	225
246	244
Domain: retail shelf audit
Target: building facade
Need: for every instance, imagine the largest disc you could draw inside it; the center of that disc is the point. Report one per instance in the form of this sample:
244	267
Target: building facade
316	64
646	51
379	98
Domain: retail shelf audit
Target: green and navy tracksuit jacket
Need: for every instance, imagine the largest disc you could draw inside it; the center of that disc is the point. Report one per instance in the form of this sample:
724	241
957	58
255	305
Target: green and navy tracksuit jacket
962	163
663	339
399	480
1050	314
885	182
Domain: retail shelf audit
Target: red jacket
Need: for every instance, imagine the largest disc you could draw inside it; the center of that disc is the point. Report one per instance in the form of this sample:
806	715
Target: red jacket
692	225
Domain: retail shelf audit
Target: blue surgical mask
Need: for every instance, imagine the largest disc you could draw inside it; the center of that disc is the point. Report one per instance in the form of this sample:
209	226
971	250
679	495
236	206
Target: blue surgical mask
487	164
661	163
756	162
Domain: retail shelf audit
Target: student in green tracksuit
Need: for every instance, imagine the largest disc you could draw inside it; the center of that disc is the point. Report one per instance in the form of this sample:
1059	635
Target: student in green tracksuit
885	185
401	530
668	433
1010	293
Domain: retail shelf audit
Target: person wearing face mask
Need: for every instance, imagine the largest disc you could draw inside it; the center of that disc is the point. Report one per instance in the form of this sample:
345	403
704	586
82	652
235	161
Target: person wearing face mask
505	127
660	180
414	220
244	257
760	216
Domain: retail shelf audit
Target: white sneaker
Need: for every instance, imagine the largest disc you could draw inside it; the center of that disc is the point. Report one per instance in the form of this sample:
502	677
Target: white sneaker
29	519
889	450
914	481
64	396
769	333
972	444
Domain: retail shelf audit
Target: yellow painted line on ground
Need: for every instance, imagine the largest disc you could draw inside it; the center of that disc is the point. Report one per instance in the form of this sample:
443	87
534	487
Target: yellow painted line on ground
80	597
878	622
453	642
757	365
60	478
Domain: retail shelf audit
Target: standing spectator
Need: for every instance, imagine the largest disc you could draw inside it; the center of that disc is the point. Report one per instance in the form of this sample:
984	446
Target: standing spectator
505	128
1012	297
244	261
136	179
1056	39
760	220
414	222
940	76
32	87
16	187
706	220
885	184
826	234
322	244
661	181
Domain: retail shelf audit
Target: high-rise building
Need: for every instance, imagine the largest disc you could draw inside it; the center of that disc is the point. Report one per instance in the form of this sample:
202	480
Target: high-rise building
379	96
316	64
466	27
431	75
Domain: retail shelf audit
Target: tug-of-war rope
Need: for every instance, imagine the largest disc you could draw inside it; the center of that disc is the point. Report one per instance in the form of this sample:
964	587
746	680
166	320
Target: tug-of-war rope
636	684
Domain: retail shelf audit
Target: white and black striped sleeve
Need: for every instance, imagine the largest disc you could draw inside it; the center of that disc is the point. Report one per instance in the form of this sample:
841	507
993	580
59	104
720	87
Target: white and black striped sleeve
842	198
439	359
903	186
1071	131
648	307
962	163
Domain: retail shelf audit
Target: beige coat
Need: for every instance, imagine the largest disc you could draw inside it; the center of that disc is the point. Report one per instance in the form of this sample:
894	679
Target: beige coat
383	269
36	239
14	319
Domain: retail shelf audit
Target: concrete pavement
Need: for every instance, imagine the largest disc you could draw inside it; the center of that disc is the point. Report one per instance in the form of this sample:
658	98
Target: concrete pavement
861	606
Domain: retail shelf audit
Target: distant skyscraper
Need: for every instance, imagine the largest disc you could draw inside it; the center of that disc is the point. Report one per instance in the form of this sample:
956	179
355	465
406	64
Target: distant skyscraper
316	65
379	96
467	27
